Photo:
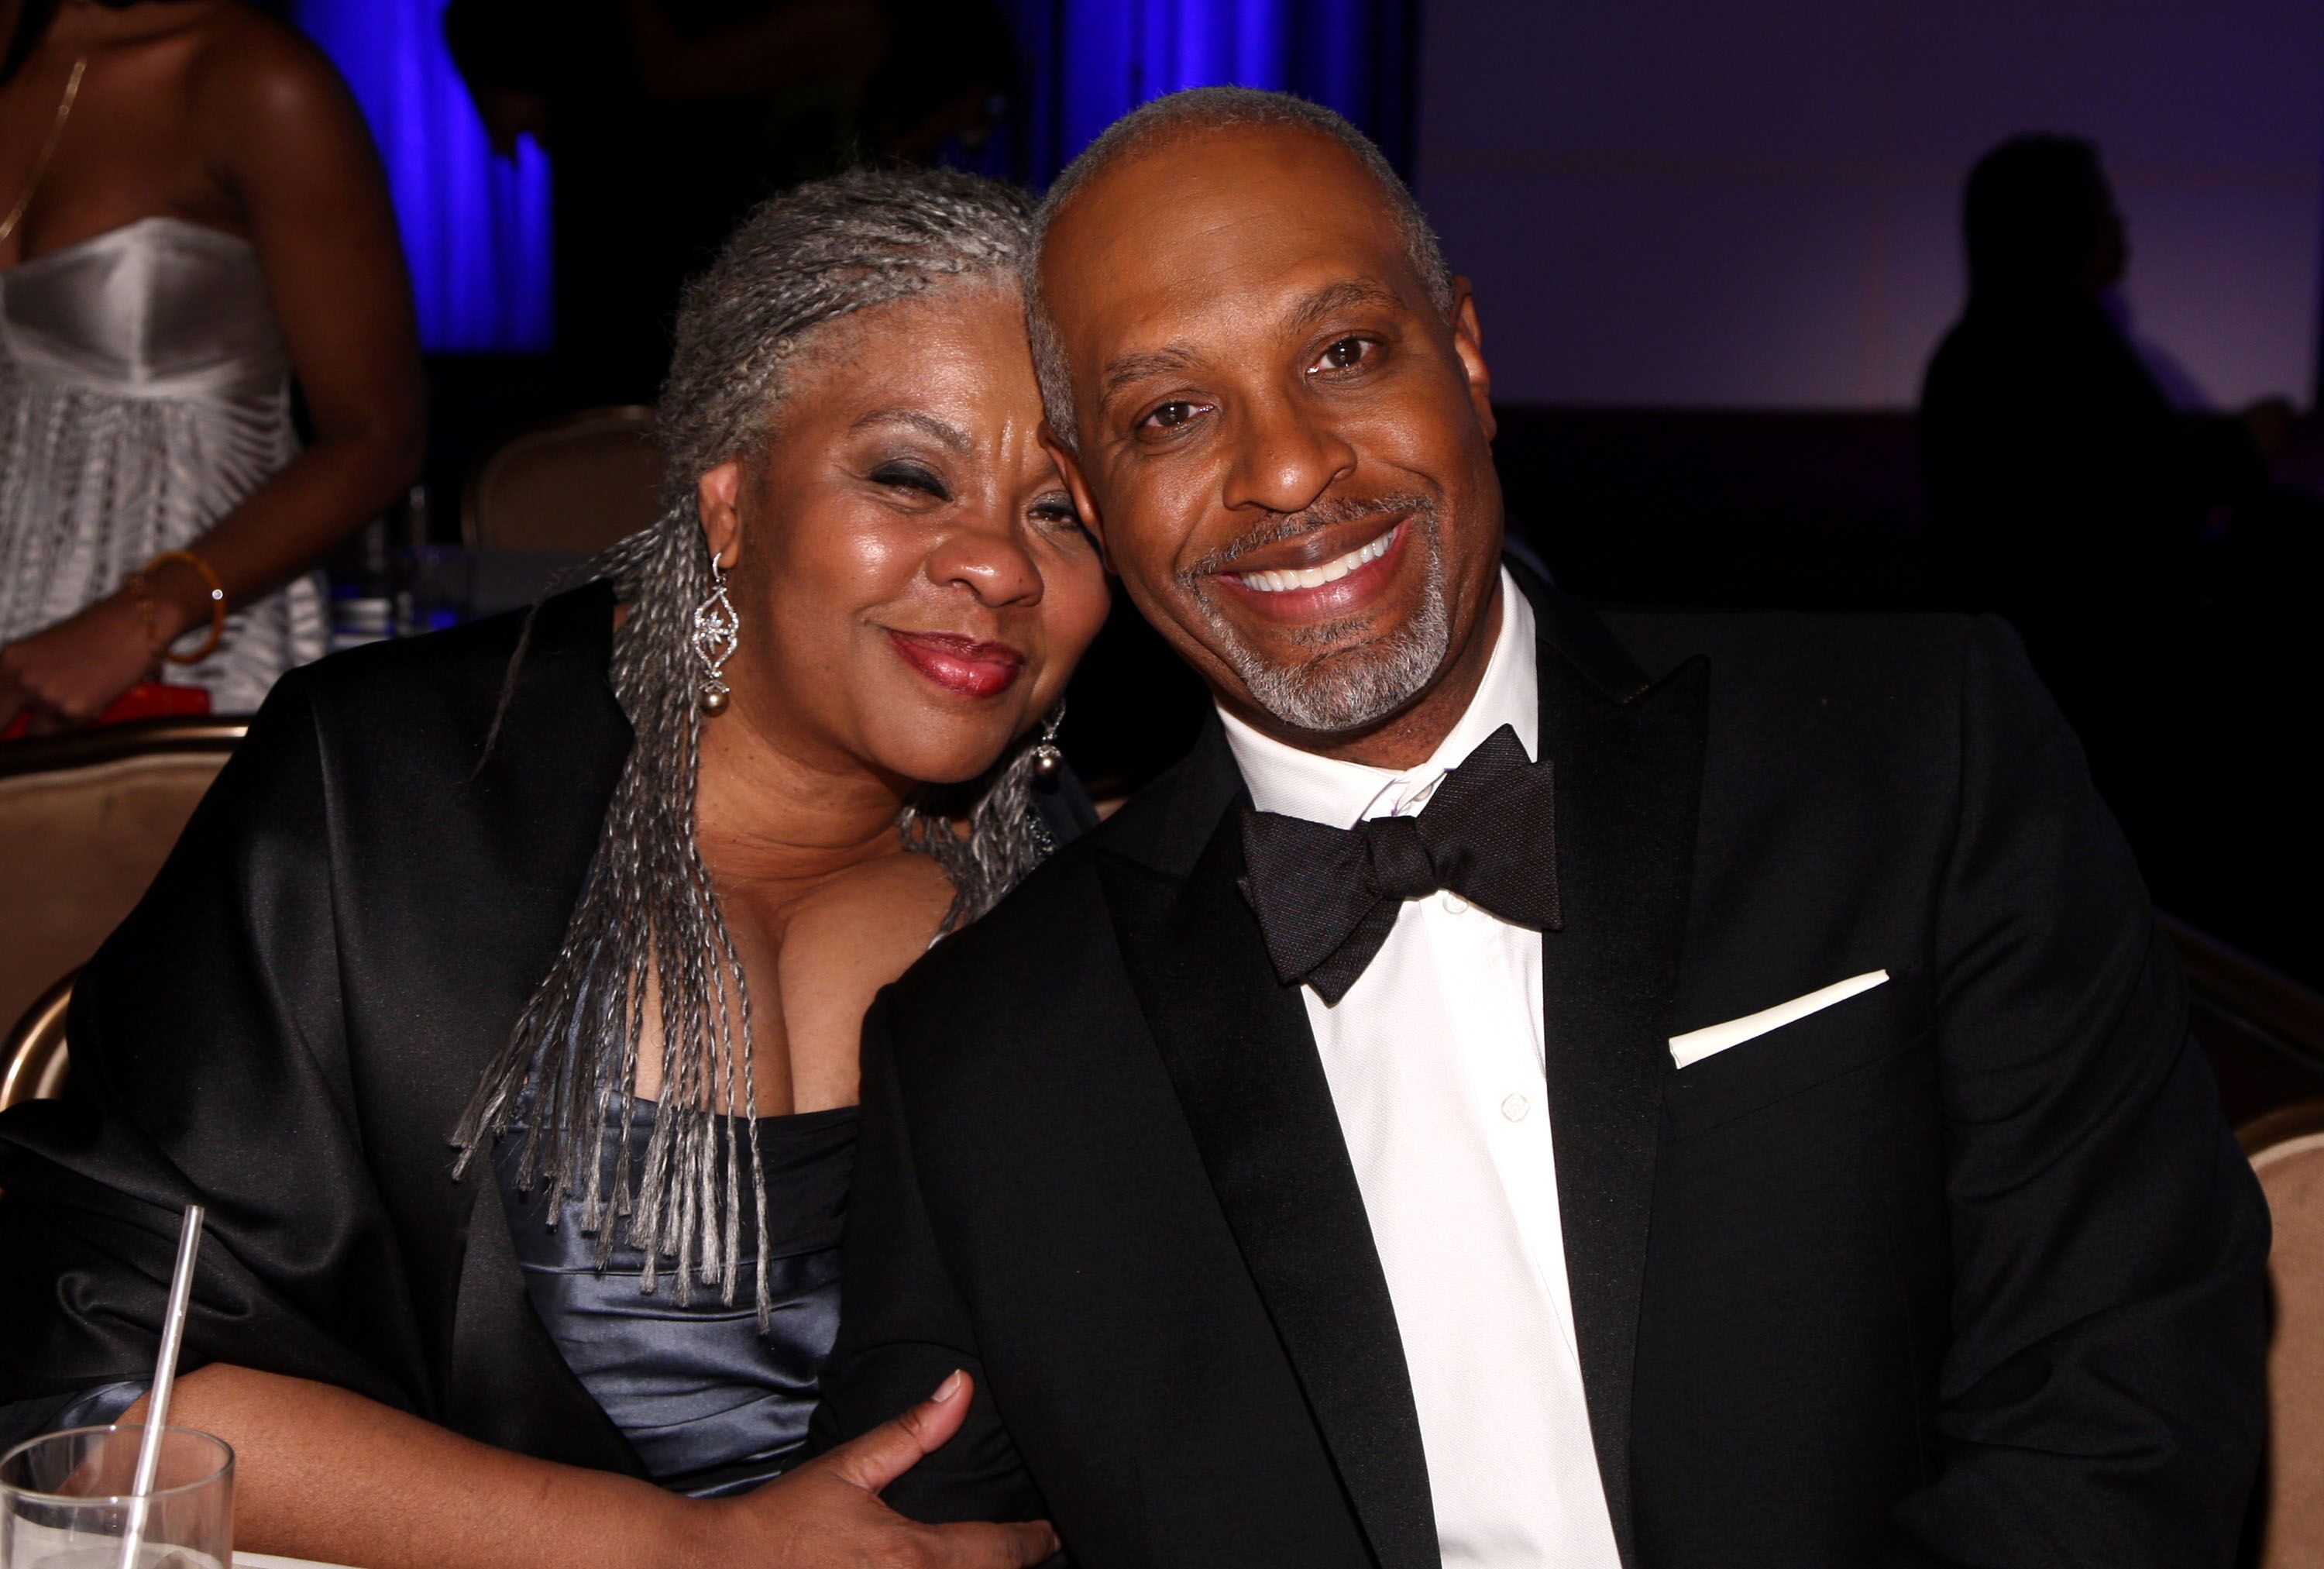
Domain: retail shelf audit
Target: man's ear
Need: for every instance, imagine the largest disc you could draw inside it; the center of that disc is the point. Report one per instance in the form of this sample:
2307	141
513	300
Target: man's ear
1468	343
1069	468
718	494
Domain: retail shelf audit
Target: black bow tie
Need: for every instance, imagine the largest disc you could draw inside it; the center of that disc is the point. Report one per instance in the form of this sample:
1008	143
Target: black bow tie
1327	898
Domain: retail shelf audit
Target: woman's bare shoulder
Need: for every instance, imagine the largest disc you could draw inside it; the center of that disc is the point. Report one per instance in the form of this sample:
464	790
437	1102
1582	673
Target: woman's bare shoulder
259	79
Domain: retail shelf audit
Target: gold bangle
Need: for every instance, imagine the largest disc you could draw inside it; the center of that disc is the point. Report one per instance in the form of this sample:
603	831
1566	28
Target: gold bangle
218	605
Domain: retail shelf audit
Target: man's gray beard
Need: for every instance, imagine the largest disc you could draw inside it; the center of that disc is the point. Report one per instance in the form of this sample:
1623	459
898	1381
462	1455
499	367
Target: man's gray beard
1351	687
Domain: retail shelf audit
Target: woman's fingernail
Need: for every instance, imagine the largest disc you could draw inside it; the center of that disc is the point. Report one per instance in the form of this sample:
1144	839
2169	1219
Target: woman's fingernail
948	1389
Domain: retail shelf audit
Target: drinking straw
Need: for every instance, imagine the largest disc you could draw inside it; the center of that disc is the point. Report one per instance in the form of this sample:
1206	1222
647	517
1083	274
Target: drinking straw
165	1373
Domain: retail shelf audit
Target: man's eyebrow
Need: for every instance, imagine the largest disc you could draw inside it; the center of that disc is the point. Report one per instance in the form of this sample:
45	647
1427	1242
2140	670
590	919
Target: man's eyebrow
1344	295
1348	293
1127	368
927	425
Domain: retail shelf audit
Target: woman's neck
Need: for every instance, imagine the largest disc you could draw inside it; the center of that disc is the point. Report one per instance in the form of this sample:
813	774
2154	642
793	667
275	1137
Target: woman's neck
783	823
80	26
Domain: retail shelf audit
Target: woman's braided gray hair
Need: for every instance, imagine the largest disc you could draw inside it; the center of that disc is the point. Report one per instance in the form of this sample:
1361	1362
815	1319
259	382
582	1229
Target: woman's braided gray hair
648	927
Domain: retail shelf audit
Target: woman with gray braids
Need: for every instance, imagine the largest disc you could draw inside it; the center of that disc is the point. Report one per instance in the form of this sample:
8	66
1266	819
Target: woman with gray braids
501	1002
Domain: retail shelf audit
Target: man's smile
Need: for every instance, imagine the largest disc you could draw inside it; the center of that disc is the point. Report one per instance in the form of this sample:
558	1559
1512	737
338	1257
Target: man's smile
1323	574
1285	579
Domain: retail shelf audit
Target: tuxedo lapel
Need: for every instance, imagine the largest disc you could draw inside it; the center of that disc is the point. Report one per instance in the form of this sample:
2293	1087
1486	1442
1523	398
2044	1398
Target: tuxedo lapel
1240	1052
1630	763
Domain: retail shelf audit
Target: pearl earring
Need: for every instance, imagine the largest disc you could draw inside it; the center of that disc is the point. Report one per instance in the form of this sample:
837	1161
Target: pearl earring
1047	758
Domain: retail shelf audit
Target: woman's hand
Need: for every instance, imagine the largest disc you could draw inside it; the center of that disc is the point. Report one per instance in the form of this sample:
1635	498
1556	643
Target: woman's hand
73	671
827	1515
322	1472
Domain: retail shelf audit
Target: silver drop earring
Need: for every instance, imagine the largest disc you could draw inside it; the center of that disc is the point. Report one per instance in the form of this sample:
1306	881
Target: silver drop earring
717	631
1047	759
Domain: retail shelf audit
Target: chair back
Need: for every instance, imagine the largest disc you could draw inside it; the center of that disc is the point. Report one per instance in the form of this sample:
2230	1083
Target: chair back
572	485
2286	1147
33	1057
86	819
2263	1031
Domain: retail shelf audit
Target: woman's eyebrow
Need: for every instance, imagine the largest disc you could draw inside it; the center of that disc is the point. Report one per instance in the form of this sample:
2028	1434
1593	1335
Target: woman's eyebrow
927	425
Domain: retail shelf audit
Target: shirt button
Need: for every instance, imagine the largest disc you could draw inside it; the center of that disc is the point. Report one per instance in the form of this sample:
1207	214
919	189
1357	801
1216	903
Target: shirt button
1516	1107
1454	904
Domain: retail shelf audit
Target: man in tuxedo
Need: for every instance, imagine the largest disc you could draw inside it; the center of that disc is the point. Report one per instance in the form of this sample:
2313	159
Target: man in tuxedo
1673	1091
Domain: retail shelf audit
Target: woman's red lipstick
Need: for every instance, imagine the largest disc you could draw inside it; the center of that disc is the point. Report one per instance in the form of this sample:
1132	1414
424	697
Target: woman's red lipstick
960	664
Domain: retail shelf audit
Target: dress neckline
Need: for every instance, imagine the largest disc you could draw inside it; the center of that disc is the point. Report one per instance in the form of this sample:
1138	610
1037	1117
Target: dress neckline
119	231
643	1112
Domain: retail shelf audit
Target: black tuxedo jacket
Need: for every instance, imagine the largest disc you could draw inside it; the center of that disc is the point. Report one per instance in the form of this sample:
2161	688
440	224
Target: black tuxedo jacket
1963	1270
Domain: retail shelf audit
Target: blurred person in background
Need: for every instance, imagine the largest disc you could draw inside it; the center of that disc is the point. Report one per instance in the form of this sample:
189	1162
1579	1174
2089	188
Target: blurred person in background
2143	551
668	120
195	215
2069	492
501	1000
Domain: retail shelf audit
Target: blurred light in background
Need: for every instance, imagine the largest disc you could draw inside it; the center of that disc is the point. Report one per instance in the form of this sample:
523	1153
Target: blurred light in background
476	226
1091	60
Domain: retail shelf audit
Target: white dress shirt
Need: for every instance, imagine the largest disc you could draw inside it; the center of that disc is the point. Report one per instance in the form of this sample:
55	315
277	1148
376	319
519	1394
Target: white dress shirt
1435	1059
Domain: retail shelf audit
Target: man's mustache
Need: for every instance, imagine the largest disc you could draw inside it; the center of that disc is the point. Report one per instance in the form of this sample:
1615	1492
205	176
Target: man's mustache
1327	513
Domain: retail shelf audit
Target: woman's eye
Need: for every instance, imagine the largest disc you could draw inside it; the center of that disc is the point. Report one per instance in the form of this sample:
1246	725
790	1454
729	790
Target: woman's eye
1057	513
1345	355
910	476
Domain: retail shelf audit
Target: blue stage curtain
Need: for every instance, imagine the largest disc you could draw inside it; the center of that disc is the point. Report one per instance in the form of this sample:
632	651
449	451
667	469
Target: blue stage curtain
476	226
1092	60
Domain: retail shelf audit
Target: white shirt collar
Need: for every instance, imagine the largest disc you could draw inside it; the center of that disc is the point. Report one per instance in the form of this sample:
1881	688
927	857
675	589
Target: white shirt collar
1299	784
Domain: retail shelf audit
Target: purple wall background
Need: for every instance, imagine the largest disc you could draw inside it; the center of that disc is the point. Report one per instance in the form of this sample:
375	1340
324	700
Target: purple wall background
1694	203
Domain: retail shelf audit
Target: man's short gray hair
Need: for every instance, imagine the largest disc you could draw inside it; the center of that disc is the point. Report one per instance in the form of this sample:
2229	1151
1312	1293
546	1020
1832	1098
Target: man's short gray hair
1178	114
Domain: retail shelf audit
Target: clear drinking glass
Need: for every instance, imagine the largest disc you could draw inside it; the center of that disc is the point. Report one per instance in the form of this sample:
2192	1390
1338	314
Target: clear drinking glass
65	1504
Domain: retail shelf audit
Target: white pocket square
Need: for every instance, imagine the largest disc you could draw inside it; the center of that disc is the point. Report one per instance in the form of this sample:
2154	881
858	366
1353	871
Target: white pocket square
1713	1038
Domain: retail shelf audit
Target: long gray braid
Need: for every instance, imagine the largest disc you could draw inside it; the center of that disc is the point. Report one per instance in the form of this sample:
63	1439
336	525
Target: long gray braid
647	929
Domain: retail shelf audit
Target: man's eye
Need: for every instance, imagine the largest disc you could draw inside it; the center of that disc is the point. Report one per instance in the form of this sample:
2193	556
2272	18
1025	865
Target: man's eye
1345	355
1170	415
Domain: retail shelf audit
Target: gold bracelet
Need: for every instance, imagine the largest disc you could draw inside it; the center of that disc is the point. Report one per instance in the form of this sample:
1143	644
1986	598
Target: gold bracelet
217	604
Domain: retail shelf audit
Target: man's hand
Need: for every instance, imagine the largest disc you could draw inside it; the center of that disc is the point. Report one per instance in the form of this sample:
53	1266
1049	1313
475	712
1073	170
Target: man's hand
827	1513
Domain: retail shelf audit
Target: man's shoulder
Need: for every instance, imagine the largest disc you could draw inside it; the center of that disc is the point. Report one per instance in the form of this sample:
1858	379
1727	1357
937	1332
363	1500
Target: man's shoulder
1778	656
1897	714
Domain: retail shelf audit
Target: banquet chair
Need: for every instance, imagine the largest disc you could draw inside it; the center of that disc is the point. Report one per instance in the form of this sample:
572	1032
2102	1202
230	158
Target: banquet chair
2263	1031
86	819
2286	1147
571	486
33	1056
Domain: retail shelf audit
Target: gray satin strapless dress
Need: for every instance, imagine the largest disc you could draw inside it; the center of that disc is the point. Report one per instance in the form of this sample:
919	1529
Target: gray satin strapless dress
712	1404
144	392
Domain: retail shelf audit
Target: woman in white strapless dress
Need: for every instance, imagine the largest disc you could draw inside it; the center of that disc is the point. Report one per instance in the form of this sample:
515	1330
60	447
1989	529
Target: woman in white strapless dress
191	213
